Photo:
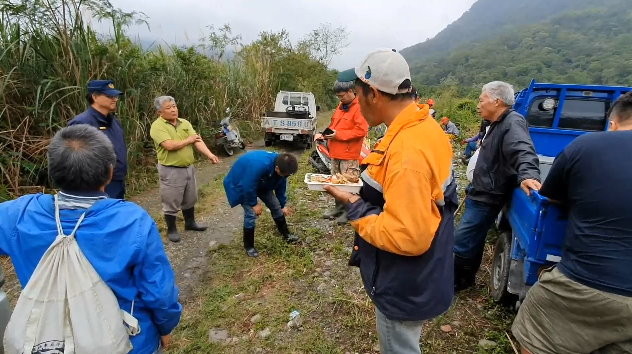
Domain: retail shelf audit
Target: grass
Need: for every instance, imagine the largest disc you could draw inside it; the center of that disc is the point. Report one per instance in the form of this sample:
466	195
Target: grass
313	278
49	51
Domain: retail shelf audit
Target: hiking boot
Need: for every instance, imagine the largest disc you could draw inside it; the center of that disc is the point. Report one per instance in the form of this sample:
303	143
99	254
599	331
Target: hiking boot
172	230
189	220
464	273
249	242
281	224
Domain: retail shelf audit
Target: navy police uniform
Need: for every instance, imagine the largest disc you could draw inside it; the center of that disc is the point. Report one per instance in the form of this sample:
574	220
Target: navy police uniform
112	128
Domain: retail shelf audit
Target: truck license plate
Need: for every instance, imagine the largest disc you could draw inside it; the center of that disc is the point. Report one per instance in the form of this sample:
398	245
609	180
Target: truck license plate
287	137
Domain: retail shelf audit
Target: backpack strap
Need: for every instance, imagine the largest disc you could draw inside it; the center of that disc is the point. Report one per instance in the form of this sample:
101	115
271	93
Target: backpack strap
131	323
60	230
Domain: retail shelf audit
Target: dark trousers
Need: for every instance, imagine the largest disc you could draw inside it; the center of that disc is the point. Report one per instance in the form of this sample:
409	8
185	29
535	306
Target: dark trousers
470	148
270	200
116	189
469	237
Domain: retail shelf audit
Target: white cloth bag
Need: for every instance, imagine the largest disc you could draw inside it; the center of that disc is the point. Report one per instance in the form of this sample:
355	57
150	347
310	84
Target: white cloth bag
66	307
471	165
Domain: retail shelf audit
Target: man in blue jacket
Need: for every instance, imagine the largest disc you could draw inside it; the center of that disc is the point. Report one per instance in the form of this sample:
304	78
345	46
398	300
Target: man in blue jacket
262	175
102	98
119	238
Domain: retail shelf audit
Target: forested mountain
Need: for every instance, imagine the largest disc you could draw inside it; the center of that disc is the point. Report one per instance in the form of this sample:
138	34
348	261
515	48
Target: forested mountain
589	42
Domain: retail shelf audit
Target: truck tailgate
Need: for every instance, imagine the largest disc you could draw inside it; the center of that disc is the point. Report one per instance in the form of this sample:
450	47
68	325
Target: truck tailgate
288	123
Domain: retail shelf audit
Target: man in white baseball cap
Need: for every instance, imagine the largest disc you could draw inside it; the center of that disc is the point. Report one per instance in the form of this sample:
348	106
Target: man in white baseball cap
404	215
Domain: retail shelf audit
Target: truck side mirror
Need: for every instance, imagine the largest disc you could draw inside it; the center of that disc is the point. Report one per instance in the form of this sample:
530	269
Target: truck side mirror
317	108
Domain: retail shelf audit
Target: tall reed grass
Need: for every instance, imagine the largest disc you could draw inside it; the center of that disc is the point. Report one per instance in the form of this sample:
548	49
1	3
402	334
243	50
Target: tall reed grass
48	53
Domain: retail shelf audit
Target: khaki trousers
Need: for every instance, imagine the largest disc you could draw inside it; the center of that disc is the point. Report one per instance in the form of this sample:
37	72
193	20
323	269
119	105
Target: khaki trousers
178	188
561	316
341	166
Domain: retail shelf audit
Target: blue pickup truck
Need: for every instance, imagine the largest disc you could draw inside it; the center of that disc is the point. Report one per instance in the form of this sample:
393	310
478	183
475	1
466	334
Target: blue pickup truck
532	228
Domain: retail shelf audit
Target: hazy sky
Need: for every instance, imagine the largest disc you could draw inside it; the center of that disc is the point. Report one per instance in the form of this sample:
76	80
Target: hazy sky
371	23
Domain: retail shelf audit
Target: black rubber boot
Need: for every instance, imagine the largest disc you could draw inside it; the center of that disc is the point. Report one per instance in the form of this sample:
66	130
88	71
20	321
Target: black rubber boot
172	230
249	242
464	273
189	220
281	224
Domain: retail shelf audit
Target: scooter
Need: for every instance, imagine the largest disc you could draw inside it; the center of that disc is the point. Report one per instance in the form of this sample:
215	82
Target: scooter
321	160
228	137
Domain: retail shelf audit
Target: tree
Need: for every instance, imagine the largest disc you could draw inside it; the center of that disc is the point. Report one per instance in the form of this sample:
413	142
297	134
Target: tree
220	40
324	42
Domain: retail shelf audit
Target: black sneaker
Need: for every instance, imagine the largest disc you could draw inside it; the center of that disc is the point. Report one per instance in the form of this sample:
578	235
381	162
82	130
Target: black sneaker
252	252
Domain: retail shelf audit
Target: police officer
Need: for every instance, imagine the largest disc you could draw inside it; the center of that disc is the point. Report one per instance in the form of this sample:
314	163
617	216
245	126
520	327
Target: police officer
102	98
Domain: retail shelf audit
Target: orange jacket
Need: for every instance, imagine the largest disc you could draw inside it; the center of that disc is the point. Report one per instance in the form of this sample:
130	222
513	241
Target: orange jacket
351	128
411	166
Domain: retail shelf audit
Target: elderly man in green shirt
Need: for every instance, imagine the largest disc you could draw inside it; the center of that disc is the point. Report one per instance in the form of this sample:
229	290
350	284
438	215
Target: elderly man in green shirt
174	139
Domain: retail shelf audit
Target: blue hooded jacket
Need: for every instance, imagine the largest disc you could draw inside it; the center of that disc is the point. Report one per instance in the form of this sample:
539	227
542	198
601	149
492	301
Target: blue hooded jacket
252	174
122	243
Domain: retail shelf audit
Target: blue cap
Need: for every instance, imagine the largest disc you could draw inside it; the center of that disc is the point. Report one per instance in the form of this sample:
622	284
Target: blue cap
105	87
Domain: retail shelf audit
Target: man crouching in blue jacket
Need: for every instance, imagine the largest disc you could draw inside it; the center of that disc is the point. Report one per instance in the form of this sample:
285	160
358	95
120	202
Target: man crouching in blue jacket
263	175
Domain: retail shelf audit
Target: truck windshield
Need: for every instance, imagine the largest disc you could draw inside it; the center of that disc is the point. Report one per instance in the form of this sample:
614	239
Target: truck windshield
577	114
584	115
295	100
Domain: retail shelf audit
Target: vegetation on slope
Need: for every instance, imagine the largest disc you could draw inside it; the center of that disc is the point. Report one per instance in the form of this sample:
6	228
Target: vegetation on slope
590	46
487	19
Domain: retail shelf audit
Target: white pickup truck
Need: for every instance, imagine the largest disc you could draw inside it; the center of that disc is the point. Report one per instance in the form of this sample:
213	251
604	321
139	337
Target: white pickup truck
293	119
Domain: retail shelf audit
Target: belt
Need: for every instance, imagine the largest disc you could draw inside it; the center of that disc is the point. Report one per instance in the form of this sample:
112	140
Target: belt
174	166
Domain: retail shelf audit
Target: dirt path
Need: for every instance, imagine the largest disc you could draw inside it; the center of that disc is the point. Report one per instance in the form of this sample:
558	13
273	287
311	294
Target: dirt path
189	257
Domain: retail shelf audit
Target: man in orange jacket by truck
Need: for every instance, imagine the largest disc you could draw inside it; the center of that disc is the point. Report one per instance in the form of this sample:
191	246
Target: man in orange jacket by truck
345	136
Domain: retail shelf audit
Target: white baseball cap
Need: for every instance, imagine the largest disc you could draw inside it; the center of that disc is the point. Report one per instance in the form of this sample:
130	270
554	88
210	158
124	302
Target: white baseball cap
383	69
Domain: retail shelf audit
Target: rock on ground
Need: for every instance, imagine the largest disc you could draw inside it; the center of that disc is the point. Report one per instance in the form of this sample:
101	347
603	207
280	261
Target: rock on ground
217	335
265	333
486	344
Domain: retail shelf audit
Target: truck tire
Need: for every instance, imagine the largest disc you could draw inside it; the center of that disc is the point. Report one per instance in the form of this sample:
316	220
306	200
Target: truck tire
268	143
499	278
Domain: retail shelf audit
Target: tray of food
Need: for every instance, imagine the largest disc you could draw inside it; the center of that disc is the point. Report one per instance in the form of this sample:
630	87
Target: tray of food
345	181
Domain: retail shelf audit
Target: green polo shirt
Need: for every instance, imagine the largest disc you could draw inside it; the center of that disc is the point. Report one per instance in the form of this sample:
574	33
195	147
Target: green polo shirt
162	130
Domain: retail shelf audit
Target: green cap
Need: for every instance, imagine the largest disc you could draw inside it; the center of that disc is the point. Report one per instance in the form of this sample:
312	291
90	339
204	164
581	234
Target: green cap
347	75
